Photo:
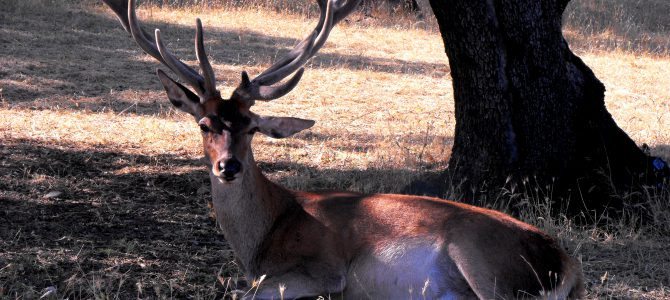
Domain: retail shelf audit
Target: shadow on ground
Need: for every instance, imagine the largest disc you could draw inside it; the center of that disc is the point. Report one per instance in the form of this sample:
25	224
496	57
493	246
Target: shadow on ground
106	225
103	222
135	225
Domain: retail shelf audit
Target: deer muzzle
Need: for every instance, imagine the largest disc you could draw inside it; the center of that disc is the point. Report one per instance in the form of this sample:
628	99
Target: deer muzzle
229	168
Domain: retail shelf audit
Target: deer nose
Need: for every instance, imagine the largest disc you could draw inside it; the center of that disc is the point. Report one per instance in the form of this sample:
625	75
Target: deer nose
229	168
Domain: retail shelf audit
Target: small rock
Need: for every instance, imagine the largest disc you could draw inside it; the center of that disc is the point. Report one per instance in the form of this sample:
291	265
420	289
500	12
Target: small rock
48	292
53	194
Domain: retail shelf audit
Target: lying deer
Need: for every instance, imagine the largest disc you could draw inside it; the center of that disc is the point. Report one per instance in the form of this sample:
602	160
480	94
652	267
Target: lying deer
345	243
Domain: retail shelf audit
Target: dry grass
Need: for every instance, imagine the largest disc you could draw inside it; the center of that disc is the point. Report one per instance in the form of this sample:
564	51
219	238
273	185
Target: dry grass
82	113
637	26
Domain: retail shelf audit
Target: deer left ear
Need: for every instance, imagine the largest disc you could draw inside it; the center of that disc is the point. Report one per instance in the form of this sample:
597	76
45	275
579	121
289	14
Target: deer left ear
181	97
281	127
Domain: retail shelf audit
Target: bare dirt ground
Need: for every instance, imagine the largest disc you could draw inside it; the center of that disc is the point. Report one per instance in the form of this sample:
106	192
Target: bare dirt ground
103	193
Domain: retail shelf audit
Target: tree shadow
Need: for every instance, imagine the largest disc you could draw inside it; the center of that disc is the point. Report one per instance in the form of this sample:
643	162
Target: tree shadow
86	61
141	219
364	142
73	213
100	213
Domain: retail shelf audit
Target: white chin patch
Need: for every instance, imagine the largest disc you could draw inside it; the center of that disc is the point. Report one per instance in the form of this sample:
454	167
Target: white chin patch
228	180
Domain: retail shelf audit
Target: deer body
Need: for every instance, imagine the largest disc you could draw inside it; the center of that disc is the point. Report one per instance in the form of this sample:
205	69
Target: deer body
385	246
341	243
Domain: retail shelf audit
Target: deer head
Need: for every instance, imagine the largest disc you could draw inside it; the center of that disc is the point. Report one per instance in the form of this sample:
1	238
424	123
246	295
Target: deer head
228	125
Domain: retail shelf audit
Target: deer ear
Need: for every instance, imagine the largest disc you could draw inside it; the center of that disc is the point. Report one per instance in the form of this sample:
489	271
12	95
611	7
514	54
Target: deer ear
281	127
181	97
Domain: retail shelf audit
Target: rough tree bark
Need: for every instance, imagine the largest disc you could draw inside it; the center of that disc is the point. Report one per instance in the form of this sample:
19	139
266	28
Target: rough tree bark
527	108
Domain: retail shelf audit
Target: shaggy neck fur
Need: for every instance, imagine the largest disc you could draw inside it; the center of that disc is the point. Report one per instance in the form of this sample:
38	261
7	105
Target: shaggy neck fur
246	210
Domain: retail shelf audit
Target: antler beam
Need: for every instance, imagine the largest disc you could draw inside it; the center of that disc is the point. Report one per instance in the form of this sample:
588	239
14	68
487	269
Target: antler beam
260	88
204	87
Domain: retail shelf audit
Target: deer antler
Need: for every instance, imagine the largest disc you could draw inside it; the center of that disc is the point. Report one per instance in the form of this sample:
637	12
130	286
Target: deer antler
205	86
260	88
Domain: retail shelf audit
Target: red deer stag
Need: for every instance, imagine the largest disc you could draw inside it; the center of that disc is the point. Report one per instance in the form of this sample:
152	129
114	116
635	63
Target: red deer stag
344	243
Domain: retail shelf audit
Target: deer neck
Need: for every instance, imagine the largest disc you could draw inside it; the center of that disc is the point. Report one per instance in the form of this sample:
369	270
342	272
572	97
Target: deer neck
247	210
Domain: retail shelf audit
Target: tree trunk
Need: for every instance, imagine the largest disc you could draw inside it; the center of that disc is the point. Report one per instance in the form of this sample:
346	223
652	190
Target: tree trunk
529	113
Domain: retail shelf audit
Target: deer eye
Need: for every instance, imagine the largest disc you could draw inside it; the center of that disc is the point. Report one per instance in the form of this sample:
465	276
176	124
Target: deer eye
204	128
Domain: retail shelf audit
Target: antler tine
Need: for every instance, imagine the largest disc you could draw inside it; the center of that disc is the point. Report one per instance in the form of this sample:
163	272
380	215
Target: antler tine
298	49
139	35
183	71
302	52
327	26
339	13
125	11
154	49
260	87
344	10
120	9
205	66
280	73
